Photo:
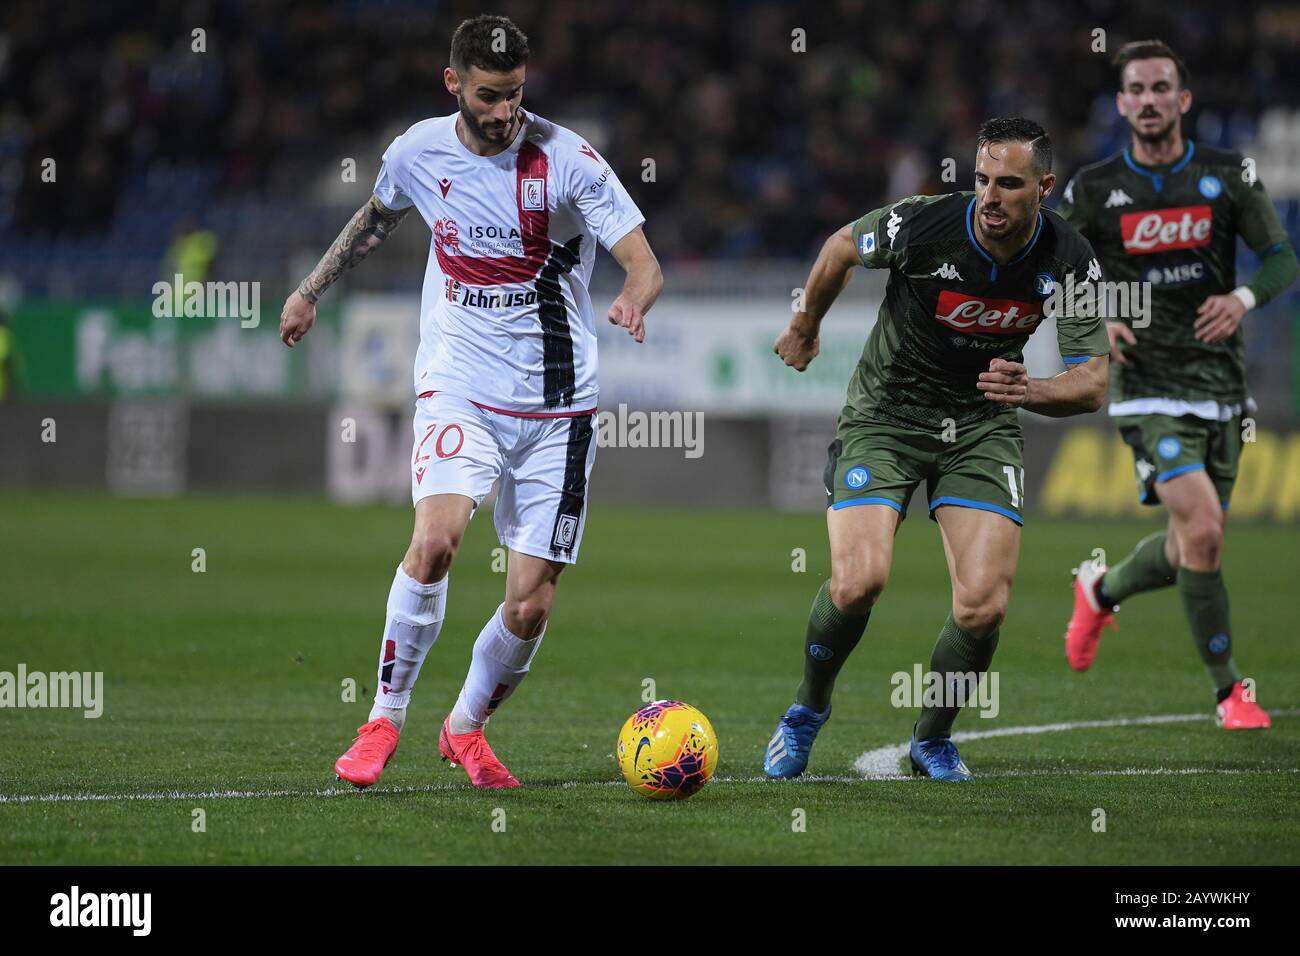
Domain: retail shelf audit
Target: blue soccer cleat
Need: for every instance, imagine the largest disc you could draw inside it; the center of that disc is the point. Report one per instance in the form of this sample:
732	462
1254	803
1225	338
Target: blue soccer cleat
787	752
937	758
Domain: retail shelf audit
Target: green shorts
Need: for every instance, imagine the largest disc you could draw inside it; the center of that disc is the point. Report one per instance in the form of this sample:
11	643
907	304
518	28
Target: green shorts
973	466
1165	446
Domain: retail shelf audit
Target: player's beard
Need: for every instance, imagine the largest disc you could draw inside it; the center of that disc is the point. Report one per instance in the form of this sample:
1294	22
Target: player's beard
1161	134
497	137
1010	228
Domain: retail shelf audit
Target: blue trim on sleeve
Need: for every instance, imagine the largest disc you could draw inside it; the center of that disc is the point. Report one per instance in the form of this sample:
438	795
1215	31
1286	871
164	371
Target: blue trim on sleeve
1181	469
1076	359
977	505
850	502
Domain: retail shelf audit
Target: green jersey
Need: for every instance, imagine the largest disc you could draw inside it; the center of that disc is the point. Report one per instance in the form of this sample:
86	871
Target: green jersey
1175	227
949	310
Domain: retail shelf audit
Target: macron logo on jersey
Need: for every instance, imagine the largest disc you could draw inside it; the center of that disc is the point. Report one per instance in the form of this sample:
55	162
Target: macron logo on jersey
445	186
972	315
589	153
1164	230
1118	198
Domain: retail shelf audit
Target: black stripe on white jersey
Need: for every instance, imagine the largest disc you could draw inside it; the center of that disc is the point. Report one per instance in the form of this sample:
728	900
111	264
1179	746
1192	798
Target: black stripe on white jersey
557	340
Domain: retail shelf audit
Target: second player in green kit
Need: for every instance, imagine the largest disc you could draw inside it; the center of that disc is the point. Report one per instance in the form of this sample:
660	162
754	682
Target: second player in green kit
1167	212
934	399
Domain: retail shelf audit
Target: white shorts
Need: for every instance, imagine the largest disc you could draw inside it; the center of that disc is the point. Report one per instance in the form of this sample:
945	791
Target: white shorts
543	463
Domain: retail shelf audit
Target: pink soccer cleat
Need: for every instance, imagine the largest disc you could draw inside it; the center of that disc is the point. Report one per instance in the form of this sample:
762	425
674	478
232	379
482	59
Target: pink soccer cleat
1235	712
369	753
472	752
1089	618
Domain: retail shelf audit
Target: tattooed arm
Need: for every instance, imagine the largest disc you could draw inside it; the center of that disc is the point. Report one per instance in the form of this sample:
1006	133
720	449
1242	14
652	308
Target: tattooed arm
373	223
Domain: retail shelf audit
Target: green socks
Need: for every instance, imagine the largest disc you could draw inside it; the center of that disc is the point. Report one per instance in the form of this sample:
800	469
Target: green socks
832	635
1205	600
956	652
1146	569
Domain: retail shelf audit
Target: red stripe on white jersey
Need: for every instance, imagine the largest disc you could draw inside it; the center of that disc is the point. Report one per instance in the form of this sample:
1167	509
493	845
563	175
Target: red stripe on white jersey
534	228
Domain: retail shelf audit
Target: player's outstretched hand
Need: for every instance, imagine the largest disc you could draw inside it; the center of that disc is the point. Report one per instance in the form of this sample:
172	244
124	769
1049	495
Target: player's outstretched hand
1119	332
1218	317
796	348
623	311
1006	382
296	318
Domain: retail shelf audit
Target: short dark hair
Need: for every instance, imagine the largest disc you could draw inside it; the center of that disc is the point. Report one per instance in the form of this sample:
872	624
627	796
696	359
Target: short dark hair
1149	50
490	43
1017	129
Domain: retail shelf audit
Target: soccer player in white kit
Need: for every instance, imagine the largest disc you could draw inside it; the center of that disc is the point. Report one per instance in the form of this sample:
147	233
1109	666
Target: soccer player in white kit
505	375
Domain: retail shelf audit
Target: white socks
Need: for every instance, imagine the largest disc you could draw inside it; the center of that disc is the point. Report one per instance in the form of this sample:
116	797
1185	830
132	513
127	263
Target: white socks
415	614
499	664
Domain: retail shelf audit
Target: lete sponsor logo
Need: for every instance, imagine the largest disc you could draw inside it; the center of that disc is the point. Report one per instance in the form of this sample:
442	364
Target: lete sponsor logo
1163	230
974	315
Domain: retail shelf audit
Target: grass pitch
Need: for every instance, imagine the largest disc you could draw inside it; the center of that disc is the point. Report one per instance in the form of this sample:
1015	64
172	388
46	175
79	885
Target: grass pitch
223	693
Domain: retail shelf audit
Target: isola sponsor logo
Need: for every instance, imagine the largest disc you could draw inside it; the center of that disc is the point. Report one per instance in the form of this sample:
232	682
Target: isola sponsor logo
1170	277
1168	447
1210	187
857	477
974	315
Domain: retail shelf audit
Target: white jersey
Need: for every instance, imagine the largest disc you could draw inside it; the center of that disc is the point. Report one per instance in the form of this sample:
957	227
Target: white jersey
505	315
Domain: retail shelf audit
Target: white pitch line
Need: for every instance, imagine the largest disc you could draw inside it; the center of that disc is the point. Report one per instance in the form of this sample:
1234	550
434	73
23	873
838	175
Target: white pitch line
206	794
879	764
882	763
188	797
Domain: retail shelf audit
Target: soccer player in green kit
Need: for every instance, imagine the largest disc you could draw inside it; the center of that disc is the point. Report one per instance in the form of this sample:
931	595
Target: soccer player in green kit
934	399
1168	211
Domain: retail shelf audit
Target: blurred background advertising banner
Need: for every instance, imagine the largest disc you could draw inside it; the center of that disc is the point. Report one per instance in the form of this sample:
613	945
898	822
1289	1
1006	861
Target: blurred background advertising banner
94	350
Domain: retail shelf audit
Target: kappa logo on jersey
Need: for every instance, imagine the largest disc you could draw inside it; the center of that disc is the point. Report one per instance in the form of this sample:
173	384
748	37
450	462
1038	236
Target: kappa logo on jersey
566	530
947	271
1164	230
1118	198
973	315
445	186
895	220
1094	271
446	233
1069	191
532	194
589	152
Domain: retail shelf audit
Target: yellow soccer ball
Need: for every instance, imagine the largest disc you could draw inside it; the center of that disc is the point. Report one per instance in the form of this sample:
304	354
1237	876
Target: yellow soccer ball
667	750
